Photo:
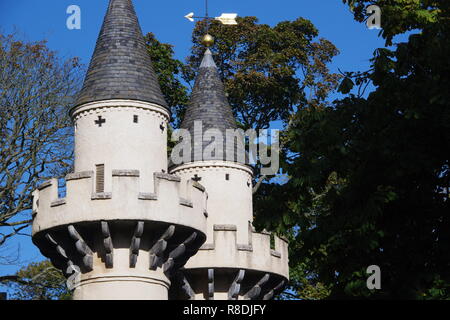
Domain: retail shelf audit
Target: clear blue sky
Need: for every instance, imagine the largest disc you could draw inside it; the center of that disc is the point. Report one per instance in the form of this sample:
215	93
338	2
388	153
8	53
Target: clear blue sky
46	19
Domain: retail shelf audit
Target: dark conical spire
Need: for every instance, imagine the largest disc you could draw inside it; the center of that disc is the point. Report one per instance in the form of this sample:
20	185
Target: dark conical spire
209	104
121	67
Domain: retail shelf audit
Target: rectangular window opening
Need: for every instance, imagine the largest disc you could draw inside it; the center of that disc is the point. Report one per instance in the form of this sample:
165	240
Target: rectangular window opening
272	241
135	119
100	178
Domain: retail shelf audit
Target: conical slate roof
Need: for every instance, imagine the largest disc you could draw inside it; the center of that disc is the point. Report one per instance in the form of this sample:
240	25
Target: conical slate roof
121	67
209	105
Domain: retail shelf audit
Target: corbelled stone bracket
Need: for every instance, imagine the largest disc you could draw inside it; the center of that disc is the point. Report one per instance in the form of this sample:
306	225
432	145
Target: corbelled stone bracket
136	243
64	262
158	249
211	284
276	290
187	288
255	292
180	254
82	248
107	244
235	287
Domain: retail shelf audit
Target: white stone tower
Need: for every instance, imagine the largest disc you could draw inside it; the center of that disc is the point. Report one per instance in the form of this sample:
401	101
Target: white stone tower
125	223
236	262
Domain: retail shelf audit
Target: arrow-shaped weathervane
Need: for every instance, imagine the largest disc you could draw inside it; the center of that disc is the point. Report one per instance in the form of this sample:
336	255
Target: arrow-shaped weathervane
190	17
225	18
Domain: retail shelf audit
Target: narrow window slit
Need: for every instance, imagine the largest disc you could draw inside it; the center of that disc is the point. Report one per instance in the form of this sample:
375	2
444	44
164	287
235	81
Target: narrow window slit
100	178
272	241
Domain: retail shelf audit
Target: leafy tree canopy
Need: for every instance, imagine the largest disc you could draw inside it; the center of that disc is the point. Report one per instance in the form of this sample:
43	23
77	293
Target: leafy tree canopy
171	73
268	72
37	281
370	176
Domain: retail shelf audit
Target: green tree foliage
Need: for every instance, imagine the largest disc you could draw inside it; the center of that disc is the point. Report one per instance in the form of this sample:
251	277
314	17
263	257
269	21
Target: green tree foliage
268	72
37	281
170	72
400	16
370	176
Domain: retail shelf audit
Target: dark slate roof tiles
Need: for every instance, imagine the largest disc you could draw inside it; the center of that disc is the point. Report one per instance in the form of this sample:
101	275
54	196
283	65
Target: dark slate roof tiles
121	67
209	104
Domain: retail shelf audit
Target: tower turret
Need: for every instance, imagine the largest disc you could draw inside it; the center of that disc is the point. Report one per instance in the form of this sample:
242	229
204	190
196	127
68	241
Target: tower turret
120	115
125	225
235	262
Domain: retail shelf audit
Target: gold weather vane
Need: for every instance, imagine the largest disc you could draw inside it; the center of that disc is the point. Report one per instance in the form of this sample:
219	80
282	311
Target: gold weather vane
225	18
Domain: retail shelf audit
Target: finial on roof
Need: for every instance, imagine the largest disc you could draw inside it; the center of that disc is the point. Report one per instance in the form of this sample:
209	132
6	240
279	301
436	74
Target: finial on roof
208	40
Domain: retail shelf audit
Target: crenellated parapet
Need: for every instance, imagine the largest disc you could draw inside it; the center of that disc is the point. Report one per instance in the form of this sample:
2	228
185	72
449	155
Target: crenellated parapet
121	235
264	252
170	201
255	270
236	262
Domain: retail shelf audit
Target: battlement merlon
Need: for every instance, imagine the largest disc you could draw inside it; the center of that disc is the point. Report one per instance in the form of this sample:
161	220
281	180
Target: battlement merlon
257	254
171	201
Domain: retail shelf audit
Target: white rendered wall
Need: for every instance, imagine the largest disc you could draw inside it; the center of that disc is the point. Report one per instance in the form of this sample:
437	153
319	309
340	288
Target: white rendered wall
172	204
123	282
120	143
229	201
